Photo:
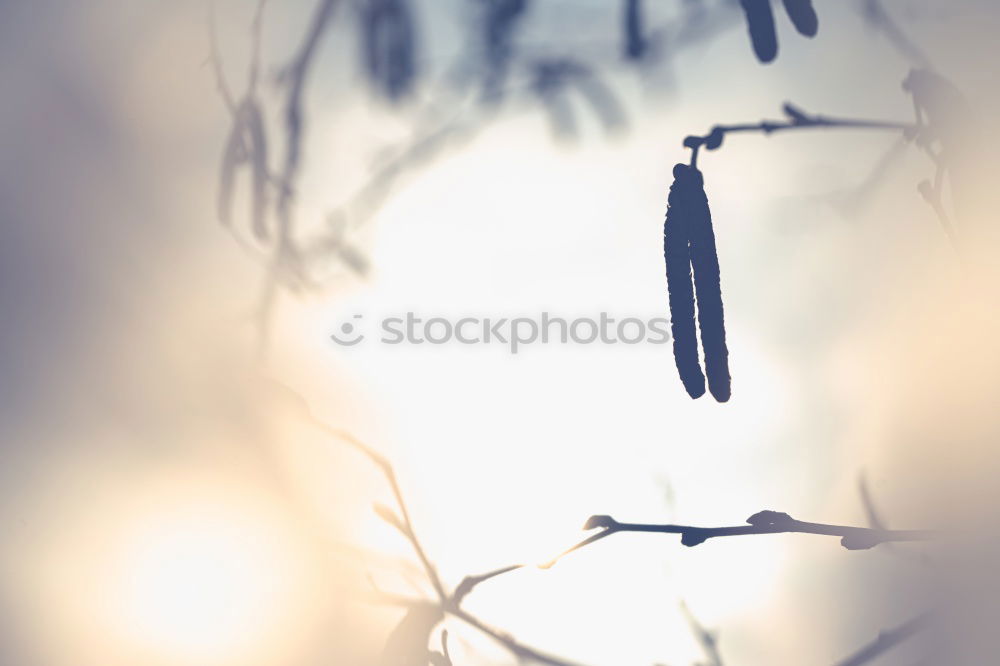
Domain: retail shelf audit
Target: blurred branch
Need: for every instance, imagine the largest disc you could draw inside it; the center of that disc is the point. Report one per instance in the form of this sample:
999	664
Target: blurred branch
519	650
294	78
215	58
449	604
885	641
764	522
284	263
875	521
255	31
879	18
706	639
406	526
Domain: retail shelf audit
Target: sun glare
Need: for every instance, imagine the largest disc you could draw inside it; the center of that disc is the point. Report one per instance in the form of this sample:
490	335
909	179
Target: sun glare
200	580
201	587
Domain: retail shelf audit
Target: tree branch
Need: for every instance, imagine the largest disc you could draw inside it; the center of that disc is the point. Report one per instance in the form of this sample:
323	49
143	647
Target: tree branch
796	120
764	522
881	20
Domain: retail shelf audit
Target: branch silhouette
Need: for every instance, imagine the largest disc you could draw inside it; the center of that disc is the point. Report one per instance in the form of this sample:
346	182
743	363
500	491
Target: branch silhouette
796	119
763	522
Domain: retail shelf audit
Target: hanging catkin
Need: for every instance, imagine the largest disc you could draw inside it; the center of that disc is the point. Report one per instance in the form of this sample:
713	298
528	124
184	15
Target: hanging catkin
681	207
705	265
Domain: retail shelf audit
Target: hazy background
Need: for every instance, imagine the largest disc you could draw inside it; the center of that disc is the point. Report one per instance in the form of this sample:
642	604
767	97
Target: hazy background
160	506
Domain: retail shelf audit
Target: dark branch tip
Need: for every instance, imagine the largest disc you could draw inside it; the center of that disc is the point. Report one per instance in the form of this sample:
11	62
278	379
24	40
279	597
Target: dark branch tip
599	521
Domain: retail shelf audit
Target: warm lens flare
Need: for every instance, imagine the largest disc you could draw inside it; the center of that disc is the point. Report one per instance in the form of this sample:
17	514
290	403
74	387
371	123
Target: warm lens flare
183	570
199	585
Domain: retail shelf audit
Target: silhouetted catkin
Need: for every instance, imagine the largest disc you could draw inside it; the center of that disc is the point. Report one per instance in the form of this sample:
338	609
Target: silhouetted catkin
760	24
803	16
635	40
708	290
681	209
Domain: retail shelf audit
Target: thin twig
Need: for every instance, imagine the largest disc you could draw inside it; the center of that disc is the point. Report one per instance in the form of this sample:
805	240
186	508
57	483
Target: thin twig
469	583
519	650
797	120
764	522
390	475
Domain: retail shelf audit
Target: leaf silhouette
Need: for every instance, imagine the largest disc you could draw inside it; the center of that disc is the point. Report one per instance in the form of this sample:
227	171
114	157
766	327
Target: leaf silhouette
676	253
407	645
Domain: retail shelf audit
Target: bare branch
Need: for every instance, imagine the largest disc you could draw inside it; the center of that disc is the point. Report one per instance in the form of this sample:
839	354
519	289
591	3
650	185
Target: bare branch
881	20
876	521
255	31
469	583
764	522
519	650
294	77
796	120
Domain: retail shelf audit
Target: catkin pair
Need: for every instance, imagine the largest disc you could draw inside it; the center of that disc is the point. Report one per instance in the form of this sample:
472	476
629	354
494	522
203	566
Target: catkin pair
693	276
